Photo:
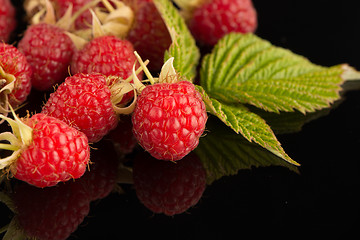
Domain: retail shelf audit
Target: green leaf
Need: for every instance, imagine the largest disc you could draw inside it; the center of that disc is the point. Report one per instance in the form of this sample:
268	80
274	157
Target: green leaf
247	69
183	48
224	153
250	125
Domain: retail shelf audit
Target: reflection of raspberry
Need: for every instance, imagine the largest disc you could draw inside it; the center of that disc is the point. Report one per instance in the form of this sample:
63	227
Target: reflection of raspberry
165	187
51	213
122	136
169	119
101	178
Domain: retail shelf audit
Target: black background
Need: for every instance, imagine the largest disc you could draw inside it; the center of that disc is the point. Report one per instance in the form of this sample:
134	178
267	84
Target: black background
323	200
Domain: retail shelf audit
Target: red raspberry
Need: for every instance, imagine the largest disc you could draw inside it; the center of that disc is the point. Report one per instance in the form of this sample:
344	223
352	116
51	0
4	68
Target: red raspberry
165	187
46	150
84	101
48	50
14	67
149	33
215	18
108	55
51	213
7	20
169	119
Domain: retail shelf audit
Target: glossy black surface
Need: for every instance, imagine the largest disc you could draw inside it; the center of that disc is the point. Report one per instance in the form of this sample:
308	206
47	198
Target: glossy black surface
322	200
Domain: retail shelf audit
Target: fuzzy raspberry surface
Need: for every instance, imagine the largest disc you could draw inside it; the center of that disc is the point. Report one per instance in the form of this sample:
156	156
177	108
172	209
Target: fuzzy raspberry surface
48	50
57	153
51	213
108	55
169	119
216	18
165	187
149	34
14	62
83	101
7	20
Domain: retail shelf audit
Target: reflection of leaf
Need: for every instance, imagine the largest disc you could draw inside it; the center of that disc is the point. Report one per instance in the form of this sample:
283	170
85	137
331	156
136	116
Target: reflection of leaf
223	153
249	124
14	231
291	122
245	68
183	49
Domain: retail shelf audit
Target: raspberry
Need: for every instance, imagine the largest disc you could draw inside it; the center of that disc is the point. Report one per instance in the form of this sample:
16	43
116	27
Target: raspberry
212	20
46	150
48	50
51	213
13	67
7	20
169	119
108	55
149	34
165	187
84	101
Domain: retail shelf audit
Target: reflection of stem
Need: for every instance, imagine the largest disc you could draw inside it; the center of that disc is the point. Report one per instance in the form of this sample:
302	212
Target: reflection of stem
351	78
4	228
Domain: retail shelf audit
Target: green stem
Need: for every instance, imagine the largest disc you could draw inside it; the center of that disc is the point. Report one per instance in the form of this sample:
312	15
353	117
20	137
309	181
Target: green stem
9	147
108	5
83	9
146	70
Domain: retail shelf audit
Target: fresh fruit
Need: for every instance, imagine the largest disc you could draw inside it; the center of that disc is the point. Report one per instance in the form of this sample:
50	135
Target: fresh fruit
108	55
15	77
45	150
7	20
84	101
210	20
169	116
50	213
165	187
149	34
48	50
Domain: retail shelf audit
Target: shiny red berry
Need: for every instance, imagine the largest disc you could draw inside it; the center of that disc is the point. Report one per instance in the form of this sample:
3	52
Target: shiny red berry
212	20
169	119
